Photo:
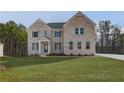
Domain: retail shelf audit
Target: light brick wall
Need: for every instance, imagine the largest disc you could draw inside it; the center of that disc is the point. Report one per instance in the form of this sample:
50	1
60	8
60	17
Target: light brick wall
40	28
69	35
56	39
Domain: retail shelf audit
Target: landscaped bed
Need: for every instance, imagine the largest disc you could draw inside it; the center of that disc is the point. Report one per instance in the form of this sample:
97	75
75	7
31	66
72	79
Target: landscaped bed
82	68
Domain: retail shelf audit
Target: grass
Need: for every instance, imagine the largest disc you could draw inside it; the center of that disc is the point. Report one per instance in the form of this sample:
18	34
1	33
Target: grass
75	69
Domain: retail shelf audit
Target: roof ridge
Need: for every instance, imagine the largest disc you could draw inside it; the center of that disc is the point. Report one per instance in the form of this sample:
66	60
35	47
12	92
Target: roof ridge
56	22
56	25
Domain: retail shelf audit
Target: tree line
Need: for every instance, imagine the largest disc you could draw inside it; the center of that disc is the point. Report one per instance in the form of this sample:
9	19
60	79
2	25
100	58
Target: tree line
14	38
109	38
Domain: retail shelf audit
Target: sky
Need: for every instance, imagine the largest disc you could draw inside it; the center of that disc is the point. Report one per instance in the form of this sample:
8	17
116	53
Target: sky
28	17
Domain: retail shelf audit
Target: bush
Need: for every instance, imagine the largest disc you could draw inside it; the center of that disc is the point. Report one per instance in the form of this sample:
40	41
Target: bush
71	54
79	54
56	54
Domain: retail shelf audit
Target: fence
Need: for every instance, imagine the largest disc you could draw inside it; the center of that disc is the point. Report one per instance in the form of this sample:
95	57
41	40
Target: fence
110	50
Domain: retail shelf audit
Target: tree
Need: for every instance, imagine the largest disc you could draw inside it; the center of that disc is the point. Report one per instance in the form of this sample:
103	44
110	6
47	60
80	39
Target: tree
104	30
14	38
109	37
115	37
100	29
115	34
122	43
21	27
107	25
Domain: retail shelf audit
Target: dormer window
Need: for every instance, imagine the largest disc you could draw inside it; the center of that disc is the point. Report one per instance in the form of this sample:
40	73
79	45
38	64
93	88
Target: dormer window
34	34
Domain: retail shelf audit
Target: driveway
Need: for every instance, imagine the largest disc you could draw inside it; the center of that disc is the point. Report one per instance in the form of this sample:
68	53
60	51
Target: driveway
114	56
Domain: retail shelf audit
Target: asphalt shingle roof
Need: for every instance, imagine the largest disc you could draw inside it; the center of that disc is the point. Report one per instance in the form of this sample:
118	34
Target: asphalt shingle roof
56	25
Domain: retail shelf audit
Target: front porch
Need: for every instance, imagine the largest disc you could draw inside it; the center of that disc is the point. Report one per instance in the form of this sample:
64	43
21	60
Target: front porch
44	46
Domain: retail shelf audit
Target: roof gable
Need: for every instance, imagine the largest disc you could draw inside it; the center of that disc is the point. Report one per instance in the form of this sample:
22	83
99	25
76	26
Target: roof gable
37	24
44	38
80	14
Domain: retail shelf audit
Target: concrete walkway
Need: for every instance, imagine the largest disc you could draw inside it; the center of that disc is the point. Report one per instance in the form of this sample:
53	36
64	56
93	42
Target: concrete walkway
114	56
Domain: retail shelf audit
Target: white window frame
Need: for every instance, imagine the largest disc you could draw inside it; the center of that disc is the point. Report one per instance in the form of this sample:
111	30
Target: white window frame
89	45
35	46
79	45
71	45
79	30
58	46
34	34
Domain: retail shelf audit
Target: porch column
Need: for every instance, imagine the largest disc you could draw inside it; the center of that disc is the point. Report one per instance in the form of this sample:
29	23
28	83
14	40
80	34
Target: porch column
49	49
39	48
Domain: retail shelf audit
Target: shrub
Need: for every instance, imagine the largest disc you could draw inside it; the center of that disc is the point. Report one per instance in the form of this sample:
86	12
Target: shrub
71	54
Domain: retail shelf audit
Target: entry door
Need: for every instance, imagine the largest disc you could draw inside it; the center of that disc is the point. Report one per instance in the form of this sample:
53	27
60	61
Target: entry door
45	48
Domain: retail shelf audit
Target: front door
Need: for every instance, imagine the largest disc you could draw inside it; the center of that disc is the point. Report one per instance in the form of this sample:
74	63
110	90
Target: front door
45	48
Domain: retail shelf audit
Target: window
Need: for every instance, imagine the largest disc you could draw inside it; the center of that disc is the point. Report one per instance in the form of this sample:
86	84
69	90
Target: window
35	46
45	33
79	45
87	45
70	45
34	34
57	33
81	31
58	46
76	31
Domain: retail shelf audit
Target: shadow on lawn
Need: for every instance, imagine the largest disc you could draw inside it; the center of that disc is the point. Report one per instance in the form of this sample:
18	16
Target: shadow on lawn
27	61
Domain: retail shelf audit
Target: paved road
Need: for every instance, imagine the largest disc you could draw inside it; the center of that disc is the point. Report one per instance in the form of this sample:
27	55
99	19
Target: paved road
114	56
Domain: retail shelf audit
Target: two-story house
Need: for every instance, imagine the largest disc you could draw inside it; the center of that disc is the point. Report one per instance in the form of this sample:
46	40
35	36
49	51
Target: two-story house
74	37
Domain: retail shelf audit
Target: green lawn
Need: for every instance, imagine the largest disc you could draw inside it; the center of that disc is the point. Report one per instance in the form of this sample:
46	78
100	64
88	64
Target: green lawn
86	68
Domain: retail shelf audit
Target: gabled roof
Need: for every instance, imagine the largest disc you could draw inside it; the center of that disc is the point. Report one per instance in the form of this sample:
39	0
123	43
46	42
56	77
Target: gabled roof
44	38
80	14
56	25
37	24
39	20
